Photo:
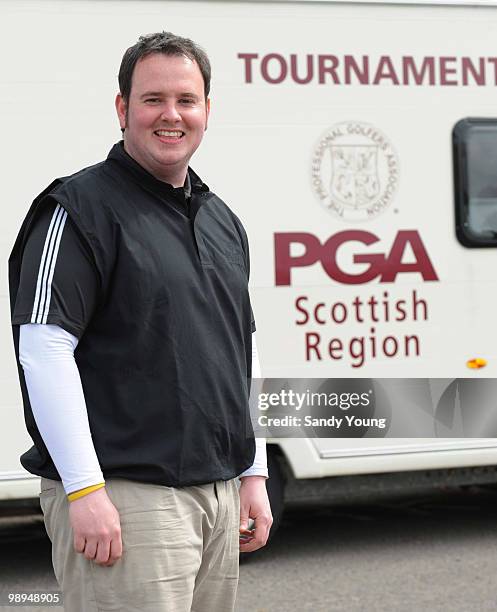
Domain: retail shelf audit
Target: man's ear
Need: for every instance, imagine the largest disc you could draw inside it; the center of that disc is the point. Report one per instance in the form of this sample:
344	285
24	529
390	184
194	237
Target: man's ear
207	111
122	110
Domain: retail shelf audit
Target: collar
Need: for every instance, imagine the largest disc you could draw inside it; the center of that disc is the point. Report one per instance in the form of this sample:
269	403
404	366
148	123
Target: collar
193	183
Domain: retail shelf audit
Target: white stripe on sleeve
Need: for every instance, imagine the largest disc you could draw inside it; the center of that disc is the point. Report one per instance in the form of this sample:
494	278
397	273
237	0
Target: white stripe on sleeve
47	266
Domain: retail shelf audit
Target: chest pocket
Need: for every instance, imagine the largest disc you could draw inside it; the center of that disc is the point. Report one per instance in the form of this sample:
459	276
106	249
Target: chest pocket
232	255
218	241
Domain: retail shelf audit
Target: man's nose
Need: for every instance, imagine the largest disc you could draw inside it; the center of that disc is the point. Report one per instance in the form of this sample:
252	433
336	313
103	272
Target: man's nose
170	113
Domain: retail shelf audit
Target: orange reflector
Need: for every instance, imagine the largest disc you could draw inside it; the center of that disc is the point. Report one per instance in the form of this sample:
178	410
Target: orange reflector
476	363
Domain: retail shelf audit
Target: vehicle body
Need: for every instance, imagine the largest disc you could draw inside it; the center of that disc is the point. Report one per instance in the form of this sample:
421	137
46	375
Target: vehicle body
331	136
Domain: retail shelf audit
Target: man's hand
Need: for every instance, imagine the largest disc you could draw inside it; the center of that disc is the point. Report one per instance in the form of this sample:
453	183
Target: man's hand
254	504
96	528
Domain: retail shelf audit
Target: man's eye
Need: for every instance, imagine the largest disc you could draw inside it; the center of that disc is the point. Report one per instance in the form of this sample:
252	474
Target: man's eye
187	100
152	100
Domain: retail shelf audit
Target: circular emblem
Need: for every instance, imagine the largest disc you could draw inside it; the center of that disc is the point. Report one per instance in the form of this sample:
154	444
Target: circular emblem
355	171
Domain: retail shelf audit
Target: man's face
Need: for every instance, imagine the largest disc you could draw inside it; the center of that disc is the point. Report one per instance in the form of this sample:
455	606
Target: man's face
165	116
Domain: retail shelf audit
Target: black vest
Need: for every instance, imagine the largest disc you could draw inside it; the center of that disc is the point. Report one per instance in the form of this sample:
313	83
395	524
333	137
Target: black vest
165	359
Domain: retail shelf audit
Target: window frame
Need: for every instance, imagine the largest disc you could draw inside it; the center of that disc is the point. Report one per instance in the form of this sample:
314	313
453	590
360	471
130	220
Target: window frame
461	194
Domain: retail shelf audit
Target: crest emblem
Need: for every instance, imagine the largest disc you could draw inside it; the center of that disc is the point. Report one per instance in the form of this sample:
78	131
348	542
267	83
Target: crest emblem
354	171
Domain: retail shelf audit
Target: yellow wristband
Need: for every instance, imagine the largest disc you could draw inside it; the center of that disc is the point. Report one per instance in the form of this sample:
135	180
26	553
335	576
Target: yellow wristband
82	492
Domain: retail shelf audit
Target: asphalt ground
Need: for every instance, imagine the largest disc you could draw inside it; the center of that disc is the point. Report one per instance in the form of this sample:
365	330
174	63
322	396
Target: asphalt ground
435	552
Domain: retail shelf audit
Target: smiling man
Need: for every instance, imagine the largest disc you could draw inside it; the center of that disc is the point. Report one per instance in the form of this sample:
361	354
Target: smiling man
164	115
135	343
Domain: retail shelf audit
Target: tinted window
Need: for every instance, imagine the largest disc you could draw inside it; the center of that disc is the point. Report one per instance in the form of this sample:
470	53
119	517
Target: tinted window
475	178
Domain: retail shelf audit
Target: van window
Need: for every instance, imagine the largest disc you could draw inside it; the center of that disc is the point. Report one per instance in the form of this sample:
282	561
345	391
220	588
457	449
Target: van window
475	181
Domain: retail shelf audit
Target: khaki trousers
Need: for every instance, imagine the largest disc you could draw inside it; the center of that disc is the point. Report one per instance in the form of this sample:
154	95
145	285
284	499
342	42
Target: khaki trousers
180	549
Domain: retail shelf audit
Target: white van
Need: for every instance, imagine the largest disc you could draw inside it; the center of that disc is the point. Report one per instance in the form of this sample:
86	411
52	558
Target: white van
357	141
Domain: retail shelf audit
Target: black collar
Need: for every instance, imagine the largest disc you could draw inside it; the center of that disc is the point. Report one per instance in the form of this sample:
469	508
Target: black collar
193	183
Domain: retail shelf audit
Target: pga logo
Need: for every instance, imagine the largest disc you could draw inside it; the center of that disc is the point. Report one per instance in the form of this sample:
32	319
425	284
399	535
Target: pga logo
384	266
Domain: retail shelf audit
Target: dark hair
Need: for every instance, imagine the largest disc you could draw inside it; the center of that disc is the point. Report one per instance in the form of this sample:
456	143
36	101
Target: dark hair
169	44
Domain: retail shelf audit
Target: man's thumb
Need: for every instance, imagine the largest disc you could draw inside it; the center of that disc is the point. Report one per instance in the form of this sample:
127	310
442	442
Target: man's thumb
244	520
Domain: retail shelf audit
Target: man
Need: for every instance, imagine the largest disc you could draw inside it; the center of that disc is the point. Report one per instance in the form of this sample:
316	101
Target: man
133	330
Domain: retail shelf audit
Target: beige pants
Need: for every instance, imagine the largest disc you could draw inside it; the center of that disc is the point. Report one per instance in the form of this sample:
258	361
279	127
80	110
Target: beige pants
180	549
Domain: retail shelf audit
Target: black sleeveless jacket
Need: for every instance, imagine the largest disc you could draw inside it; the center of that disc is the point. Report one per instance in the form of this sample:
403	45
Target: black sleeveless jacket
165	356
